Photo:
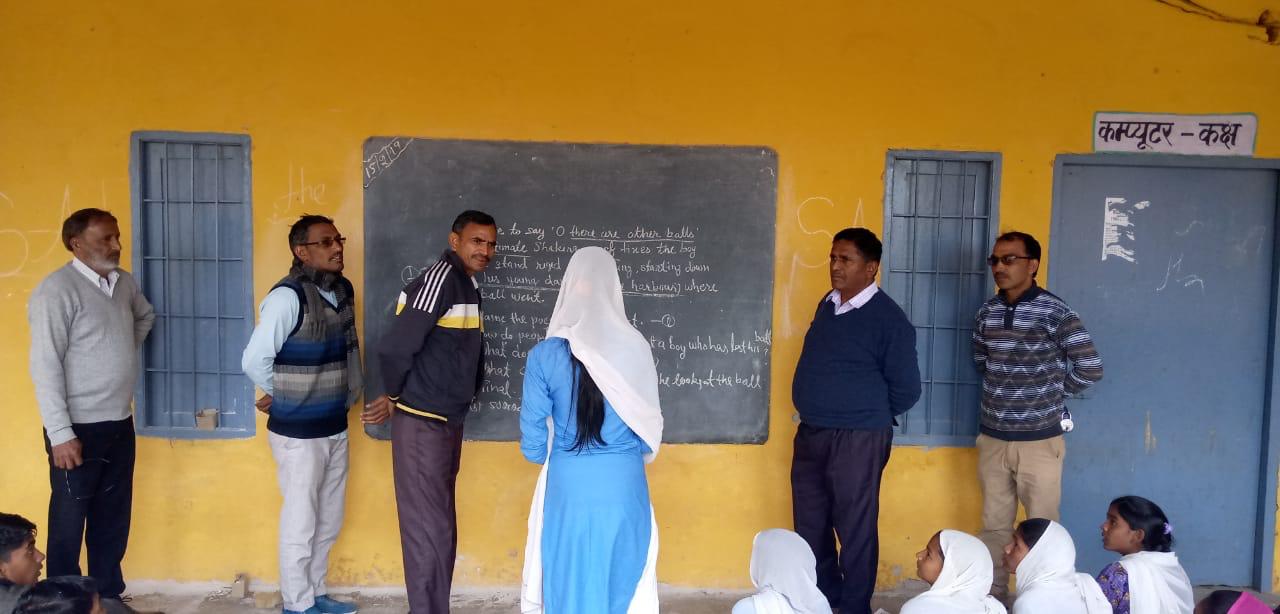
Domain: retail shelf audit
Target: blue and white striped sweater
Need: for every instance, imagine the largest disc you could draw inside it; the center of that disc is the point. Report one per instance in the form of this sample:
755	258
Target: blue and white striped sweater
1031	354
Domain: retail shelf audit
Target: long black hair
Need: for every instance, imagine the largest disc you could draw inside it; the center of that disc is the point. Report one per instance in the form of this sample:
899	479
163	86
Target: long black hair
589	403
1142	514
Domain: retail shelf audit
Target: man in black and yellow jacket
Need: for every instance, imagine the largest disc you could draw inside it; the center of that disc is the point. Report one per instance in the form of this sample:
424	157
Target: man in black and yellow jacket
432	364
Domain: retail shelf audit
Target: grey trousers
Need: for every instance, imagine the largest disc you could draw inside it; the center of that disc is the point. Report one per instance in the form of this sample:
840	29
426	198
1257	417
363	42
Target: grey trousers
425	456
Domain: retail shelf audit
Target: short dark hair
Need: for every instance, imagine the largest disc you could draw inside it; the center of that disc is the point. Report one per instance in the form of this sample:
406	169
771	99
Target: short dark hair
1143	514
1028	241
1032	529
301	230
15	532
60	595
865	240
77	222
471	216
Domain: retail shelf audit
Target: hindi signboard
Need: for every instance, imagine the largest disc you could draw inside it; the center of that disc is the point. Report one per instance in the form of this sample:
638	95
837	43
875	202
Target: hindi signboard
1201	135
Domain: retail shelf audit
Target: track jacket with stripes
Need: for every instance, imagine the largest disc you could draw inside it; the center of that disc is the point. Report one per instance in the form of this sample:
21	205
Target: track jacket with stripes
432	357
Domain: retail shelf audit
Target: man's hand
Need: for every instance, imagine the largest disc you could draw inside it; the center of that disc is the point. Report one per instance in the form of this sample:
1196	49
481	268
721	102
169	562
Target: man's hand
68	455
264	404
376	411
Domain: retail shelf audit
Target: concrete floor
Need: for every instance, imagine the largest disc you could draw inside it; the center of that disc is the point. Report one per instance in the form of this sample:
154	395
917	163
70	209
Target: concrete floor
180	599
184	599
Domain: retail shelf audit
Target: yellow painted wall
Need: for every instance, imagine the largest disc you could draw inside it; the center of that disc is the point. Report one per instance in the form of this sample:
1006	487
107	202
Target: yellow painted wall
830	85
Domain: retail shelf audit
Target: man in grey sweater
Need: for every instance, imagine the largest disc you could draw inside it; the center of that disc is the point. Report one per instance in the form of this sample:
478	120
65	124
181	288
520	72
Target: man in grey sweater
88	320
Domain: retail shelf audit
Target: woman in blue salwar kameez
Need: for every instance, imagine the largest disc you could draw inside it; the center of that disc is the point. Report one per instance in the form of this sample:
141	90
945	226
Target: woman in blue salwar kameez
590	415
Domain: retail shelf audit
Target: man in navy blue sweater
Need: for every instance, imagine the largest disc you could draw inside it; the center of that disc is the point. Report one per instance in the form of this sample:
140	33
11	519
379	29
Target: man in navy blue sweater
857	371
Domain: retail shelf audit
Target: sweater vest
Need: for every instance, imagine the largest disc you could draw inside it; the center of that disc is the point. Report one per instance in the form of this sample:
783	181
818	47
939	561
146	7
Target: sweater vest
310	373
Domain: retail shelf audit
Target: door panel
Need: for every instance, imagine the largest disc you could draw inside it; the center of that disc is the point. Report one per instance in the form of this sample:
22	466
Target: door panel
1171	271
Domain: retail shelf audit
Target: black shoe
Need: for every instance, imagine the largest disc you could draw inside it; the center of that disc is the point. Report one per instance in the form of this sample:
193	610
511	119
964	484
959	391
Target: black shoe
119	605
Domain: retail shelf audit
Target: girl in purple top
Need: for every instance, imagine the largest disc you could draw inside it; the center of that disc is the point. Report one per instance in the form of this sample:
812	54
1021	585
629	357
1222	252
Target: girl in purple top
1148	579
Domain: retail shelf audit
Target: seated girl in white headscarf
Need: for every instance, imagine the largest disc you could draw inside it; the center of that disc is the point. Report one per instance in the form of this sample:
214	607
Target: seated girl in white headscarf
784	569
1148	579
1044	559
958	566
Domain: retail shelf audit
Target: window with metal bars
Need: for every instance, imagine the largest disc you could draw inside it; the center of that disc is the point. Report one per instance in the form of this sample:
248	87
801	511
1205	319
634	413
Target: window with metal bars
940	221
192	254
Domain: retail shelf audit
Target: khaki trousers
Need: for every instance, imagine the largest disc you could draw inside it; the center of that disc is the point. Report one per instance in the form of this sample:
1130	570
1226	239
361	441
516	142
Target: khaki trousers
1010	472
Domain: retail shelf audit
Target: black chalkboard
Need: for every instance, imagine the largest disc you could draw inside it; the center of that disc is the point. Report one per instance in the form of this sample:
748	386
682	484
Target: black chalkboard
692	229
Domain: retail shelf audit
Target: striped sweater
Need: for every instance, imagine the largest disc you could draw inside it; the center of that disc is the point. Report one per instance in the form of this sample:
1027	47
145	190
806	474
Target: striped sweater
1023	351
311	372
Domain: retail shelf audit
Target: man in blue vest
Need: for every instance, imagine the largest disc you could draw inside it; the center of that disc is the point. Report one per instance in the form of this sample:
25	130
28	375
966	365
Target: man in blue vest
857	372
305	357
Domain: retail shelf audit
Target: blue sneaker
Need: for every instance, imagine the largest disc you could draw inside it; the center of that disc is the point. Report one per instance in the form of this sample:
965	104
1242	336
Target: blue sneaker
325	605
310	610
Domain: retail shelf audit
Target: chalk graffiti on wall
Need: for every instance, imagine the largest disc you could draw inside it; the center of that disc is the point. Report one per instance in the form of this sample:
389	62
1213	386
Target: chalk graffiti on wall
790	326
27	245
285	208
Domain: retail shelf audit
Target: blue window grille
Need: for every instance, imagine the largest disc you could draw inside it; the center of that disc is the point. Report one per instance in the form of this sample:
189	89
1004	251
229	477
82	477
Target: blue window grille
192	255
940	221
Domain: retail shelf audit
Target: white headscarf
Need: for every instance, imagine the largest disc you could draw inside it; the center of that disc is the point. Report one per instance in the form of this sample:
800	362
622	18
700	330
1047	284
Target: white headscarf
1048	582
590	315
784	568
964	584
1157	584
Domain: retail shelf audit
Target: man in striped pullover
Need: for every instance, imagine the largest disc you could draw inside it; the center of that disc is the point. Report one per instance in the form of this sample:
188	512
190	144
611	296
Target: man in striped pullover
1032	351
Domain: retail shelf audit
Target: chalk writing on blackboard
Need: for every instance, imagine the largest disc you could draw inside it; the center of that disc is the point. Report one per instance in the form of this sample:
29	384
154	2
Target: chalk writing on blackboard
691	229
654	265
383	158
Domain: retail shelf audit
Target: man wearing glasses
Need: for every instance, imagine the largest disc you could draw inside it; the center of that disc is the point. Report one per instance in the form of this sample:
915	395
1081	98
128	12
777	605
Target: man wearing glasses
305	357
1024	338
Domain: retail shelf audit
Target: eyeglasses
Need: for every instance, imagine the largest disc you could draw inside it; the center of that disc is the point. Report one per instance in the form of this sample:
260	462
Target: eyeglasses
328	242
1008	260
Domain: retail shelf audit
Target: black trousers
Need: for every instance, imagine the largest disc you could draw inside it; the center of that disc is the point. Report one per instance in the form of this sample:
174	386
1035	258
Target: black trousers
835	494
425	458
93	503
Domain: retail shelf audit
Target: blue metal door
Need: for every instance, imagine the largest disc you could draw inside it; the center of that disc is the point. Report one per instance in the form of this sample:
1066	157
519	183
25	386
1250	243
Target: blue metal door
1171	270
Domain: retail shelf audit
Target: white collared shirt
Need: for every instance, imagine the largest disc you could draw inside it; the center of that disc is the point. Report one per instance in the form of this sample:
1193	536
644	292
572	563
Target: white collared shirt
109	287
856	302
